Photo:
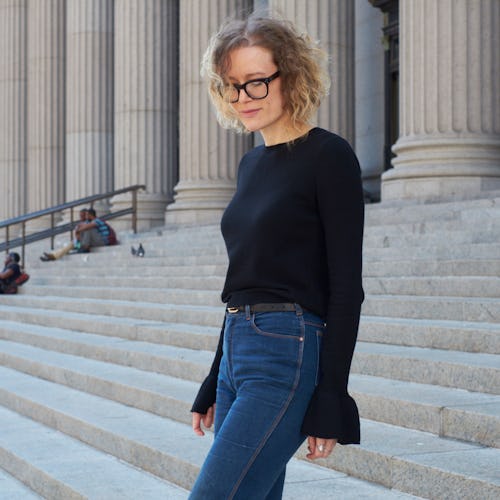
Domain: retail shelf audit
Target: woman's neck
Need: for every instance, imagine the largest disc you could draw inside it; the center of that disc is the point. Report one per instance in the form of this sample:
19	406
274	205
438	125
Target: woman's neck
287	133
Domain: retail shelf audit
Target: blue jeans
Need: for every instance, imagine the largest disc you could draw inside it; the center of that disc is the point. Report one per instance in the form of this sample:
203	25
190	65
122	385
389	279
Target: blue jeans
268	373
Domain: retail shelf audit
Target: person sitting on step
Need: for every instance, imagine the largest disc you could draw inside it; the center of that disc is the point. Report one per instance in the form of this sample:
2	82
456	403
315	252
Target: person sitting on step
11	271
94	233
72	245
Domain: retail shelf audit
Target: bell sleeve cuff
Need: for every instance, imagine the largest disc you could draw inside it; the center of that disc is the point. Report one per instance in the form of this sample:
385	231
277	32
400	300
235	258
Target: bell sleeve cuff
332	415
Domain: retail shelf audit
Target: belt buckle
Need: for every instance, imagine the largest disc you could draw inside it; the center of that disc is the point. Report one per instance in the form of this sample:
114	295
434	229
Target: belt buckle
233	310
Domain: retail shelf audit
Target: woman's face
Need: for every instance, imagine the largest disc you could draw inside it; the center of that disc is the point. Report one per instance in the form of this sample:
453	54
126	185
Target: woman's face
265	115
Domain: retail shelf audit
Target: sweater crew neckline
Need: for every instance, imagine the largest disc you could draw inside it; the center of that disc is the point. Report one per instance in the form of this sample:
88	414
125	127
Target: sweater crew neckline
298	140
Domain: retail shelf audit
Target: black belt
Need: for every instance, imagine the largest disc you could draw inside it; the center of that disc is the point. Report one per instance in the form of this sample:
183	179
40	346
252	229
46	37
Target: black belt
269	307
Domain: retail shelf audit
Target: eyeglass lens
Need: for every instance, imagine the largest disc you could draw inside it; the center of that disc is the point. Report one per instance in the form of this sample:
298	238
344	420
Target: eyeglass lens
254	90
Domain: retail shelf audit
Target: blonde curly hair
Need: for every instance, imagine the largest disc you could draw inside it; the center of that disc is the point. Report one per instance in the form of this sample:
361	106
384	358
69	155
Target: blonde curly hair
300	61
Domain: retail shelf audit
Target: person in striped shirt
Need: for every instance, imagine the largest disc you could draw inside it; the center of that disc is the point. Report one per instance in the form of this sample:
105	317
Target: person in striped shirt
95	233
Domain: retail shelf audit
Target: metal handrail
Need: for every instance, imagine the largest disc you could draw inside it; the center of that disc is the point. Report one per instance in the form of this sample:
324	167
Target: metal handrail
54	230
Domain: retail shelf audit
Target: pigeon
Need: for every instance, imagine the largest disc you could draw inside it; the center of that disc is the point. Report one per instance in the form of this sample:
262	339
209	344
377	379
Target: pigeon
139	252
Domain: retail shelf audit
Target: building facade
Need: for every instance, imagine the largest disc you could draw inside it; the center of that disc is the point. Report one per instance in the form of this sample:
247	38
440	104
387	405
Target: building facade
97	95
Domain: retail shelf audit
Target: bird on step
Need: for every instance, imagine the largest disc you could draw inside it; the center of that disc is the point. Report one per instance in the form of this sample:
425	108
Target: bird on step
139	252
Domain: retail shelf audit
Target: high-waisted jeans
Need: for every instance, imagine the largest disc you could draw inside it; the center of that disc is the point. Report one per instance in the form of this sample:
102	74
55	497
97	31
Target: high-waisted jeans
268	373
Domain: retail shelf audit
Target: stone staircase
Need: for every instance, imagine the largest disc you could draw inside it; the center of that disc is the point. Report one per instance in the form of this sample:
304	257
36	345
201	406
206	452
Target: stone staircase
102	354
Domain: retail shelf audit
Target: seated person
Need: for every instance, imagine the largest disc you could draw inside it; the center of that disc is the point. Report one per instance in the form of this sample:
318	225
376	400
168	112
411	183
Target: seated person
94	233
10	272
57	254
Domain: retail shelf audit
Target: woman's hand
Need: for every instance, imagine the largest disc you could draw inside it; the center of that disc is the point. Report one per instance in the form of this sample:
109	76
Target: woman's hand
207	420
319	447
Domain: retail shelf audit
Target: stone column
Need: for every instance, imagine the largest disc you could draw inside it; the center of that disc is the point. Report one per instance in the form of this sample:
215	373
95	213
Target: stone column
13	106
449	144
46	100
89	90
145	124
209	155
332	23
369	91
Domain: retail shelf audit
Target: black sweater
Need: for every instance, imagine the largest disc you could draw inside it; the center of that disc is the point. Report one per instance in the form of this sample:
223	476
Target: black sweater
293	233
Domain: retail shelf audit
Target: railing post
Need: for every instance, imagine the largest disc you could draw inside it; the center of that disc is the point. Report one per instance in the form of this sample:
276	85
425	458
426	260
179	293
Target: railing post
7	239
24	241
134	210
72	218
52	229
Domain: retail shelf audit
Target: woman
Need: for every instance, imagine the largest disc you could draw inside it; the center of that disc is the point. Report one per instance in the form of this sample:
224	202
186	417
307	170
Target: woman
293	233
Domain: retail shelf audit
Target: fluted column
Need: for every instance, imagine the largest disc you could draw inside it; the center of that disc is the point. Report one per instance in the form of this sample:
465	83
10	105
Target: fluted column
89	90
46	100
13	105
145	113
209	155
449	144
369	91
332	23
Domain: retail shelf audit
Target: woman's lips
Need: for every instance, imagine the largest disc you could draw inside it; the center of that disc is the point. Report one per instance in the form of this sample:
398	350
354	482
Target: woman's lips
249	113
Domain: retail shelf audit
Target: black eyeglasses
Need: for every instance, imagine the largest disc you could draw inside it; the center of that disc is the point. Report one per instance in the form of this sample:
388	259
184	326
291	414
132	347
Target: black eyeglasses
255	89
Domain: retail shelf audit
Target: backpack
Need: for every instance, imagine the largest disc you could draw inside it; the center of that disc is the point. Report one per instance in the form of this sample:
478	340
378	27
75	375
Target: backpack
19	281
112	239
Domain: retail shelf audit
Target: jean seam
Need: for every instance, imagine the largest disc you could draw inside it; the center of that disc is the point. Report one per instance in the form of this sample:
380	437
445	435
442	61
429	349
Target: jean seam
229	357
278	418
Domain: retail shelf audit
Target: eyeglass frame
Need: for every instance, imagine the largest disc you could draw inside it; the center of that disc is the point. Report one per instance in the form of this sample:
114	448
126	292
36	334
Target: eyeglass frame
243	86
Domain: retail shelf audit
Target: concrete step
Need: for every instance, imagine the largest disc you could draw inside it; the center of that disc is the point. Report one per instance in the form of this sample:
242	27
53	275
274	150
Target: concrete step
469	286
454	335
121	293
191	336
469	211
153	271
433	226
454	413
12	489
170	313
472	251
104	257
468	309
143	447
452	286
148	269
407	237
214	283
438	334
432	267
469	371
436	247
454	468
173	361
420	463
410	234
477	372
417	406
57	466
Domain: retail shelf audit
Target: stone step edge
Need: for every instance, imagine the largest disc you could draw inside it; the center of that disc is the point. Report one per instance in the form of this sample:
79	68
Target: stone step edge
472	326
205	337
137	453
178	410
56	338
13	488
51	483
413	363
35	478
478	287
